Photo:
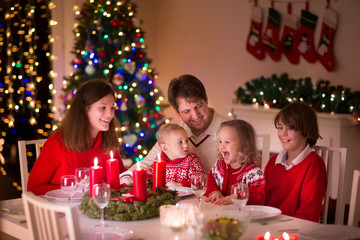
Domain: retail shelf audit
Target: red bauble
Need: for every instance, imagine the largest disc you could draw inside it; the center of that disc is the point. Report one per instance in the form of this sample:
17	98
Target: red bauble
102	54
116	23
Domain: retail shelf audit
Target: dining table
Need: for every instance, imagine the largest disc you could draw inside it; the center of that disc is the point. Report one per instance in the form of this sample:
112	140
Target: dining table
274	222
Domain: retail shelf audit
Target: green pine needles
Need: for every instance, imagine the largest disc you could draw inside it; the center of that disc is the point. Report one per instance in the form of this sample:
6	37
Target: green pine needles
279	91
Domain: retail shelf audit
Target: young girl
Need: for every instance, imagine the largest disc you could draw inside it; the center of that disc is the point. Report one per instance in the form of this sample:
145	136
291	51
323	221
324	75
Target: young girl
87	131
296	177
180	164
237	147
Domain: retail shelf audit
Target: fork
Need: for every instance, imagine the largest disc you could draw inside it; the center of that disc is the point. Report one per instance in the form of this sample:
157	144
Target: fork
282	220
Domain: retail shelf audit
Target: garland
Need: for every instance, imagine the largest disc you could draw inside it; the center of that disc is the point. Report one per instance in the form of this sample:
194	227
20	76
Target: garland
277	92
124	209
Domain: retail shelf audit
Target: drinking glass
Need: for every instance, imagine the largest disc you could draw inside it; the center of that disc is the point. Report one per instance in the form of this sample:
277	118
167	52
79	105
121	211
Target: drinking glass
82	178
240	194
68	185
198	182
101	196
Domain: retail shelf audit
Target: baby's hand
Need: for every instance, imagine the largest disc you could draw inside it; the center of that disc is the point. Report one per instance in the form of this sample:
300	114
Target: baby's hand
173	184
126	180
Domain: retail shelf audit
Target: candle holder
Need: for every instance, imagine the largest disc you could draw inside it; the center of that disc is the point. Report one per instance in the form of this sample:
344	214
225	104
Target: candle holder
174	217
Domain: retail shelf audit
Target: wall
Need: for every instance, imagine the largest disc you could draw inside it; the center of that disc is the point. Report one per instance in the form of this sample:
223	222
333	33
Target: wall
207	38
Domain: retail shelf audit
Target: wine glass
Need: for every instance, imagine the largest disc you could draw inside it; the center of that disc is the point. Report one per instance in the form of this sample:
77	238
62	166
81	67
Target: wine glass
68	185
240	194
198	182
82	178
101	196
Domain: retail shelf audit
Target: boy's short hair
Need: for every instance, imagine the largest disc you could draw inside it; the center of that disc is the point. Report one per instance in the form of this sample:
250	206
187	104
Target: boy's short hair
188	87
302	118
165	129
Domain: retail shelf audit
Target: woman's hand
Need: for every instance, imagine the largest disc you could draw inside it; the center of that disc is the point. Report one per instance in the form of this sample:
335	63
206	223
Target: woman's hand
173	184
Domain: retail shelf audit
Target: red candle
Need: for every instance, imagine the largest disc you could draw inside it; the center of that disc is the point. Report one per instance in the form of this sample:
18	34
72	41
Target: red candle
96	176
288	236
159	173
266	236
112	173
139	179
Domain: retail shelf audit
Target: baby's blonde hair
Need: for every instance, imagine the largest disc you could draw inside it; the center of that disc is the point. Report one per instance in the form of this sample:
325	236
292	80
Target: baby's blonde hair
165	129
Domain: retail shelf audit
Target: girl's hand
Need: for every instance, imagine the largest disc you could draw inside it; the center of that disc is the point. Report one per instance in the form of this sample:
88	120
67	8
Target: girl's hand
223	201
173	184
213	197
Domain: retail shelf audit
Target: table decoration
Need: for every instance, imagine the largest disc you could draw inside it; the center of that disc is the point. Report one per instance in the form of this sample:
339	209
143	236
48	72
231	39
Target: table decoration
159	173
96	176
112	172
288	236
139	179
120	210
174	217
266	236
224	224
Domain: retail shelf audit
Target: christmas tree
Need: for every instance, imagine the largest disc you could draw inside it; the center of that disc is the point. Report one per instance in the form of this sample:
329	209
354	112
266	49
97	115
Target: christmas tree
109	44
25	76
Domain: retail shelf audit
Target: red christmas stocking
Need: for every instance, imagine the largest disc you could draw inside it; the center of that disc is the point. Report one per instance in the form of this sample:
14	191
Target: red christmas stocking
324	52
253	44
270	38
290	39
306	32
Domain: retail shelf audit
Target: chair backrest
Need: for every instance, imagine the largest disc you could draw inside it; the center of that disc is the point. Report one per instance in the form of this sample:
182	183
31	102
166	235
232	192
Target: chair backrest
50	221
263	141
335	161
23	158
354	210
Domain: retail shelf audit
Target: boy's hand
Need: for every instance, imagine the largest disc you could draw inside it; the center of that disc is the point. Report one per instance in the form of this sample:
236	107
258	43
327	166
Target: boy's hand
126	180
173	184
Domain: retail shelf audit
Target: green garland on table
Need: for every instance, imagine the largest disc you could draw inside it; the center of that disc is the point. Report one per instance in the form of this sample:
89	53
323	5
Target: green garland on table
120	210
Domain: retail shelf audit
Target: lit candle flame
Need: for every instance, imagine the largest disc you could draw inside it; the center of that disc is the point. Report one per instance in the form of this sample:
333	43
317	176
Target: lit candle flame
286	236
267	235
138	165
159	158
111	155
95	162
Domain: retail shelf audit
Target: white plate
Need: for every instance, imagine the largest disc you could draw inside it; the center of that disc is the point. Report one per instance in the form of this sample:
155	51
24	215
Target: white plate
111	233
15	213
329	232
58	196
261	212
182	191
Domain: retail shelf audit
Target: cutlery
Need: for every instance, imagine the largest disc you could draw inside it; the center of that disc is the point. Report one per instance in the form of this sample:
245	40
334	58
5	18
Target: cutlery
282	220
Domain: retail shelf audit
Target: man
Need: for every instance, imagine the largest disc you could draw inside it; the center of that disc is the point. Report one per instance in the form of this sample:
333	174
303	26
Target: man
187	96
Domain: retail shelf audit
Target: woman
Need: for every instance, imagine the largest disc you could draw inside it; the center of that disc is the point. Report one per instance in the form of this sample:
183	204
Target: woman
87	131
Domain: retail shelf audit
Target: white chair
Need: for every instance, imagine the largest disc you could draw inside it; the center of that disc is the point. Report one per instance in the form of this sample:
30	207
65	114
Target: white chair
335	161
354	211
263	142
50	221
24	171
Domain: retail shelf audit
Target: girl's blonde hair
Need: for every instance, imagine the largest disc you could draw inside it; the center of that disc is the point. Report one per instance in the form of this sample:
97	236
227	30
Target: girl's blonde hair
246	140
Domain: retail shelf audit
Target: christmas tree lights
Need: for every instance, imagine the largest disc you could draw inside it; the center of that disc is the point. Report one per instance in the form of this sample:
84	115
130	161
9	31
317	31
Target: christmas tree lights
26	89
109	44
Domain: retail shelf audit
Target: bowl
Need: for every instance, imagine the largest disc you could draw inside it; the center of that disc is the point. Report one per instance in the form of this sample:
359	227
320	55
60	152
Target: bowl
224	225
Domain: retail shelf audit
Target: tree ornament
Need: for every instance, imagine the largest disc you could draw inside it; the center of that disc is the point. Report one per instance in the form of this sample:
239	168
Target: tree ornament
270	37
90	70
130	67
307	26
324	53
123	107
130	139
141	75
290	38
117	79
102	54
254	44
116	23
140	101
